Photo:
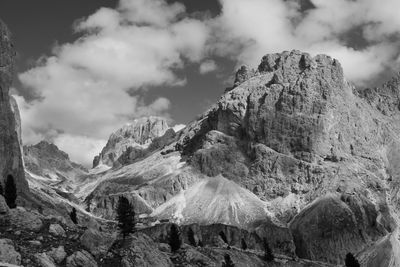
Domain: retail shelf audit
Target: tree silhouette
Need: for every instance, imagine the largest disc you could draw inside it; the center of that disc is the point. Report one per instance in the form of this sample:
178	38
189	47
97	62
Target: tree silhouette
10	193
228	261
125	216
351	261
175	238
73	217
191	238
244	245
268	256
223	236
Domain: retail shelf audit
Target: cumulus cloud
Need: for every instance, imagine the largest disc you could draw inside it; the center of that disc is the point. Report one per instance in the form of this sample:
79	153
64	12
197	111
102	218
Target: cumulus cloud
207	66
86	89
247	30
89	88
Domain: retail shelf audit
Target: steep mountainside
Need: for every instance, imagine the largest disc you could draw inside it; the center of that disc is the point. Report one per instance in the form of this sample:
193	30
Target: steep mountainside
52	166
10	151
321	154
132	139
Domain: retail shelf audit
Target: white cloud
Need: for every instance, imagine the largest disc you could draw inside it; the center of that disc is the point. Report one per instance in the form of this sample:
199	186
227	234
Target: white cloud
247	30
92	86
207	66
81	149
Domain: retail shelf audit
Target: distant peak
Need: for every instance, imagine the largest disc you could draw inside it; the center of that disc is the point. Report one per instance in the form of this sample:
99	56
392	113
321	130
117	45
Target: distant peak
285	65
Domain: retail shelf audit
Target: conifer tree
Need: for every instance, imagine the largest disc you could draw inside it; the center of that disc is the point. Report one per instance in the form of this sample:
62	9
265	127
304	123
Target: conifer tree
73	217
268	256
125	216
244	245
351	261
175	238
228	261
10	193
191	238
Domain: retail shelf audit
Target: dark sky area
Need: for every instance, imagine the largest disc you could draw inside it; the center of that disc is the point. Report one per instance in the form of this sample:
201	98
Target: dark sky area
38	25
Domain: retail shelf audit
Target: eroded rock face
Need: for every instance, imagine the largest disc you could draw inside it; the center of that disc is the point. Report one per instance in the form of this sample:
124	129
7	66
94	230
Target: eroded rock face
10	151
293	132
136	137
347	220
46	160
296	130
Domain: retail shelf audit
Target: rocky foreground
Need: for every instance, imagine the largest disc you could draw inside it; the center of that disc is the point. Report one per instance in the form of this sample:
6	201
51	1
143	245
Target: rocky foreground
292	153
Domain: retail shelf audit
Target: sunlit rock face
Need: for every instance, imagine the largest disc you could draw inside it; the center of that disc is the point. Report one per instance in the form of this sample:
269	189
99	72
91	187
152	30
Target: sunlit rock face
134	137
10	150
292	151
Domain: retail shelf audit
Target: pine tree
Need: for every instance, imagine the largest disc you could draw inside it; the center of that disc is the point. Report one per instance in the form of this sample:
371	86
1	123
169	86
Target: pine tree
228	261
125	216
351	261
73	217
268	256
244	245
223	237
175	238
10	193
191	238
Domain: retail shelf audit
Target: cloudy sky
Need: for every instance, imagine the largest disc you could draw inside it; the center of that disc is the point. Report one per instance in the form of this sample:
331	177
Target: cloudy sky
86	67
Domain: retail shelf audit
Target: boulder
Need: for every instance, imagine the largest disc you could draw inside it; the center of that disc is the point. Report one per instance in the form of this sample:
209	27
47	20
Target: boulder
96	242
56	229
80	259
8	253
43	260
27	220
4	210
57	254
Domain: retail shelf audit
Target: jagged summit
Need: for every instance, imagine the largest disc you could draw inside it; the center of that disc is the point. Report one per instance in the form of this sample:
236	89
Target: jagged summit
137	134
46	161
48	148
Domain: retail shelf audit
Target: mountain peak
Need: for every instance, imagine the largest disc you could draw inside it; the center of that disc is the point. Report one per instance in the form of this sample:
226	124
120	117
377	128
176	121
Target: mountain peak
139	134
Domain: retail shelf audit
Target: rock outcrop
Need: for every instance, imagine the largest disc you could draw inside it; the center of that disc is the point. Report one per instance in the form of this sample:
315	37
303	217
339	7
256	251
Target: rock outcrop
319	157
8	253
135	137
53	167
10	150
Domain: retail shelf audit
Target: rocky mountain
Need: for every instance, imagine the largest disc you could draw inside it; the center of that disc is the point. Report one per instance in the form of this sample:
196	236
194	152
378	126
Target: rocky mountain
319	154
292	154
131	141
10	151
45	162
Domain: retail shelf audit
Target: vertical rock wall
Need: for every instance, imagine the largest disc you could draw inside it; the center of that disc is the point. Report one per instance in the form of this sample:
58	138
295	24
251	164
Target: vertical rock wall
10	150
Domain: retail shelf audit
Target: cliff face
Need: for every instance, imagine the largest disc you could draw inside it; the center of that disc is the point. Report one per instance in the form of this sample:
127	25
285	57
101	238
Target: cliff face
292	132
10	151
51	166
321	155
131	141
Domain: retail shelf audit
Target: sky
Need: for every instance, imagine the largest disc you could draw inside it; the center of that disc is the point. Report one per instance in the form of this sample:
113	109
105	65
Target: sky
86	67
